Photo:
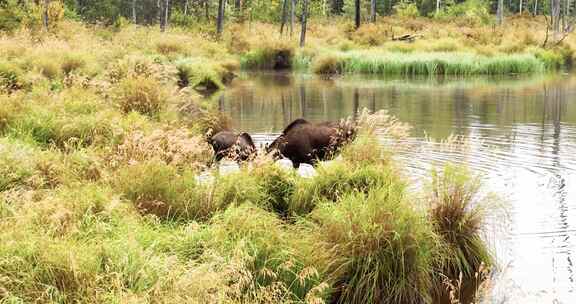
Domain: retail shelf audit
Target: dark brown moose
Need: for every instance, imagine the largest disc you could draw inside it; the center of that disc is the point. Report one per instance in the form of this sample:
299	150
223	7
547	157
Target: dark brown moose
238	147
306	142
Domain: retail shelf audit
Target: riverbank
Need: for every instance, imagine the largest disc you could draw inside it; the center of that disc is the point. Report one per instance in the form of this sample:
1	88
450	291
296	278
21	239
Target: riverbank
103	136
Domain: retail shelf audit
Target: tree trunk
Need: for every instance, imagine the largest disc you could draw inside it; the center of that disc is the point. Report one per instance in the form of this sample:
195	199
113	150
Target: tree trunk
357	13
45	14
372	10
207	9
220	20
284	16
520	10
292	16
164	7
238	5
500	12
186	7
166	13
304	21
437	6
134	11
555	8
535	8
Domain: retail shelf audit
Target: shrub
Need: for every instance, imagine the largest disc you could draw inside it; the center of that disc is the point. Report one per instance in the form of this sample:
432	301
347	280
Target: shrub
382	249
143	95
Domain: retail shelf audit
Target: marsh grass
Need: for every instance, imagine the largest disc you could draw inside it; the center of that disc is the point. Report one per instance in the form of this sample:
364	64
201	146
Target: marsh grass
458	213
142	95
257	239
200	75
336	180
271	56
382	249
436	63
101	199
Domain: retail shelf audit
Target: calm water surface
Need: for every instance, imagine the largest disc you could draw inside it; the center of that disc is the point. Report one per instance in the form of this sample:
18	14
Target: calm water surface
522	134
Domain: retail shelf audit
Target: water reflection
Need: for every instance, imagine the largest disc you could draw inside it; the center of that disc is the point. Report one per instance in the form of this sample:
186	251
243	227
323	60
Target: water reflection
523	139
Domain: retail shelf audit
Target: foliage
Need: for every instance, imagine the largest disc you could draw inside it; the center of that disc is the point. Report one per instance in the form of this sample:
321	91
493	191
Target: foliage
406	10
472	11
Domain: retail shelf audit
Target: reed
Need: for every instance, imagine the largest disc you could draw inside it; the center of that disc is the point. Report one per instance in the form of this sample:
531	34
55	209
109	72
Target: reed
438	63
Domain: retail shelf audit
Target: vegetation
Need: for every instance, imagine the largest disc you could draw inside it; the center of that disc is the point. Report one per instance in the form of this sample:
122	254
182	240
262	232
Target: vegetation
102	146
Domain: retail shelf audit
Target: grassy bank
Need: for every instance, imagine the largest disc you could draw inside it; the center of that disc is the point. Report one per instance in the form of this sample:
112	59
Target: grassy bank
102	138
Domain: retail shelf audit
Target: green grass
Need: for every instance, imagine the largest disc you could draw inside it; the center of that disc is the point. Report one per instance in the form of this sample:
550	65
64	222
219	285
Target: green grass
381	248
429	64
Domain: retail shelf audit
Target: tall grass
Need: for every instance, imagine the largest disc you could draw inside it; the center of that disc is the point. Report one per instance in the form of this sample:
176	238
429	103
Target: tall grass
430	64
382	249
458	212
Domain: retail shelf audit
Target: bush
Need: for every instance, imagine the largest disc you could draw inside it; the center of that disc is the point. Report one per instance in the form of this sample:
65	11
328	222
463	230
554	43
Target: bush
382	250
143	95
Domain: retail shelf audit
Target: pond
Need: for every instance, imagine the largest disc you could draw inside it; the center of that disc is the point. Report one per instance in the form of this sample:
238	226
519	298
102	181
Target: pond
521	135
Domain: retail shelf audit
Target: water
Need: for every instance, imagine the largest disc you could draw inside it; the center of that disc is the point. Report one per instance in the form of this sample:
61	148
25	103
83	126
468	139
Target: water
522	138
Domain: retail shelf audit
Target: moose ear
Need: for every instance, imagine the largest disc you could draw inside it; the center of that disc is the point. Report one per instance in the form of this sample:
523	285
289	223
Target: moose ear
247	138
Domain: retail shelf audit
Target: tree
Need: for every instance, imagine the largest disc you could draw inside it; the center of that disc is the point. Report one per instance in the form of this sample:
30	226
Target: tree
134	11
164	8
500	12
292	16
304	21
372	10
555	8
357	13
45	14
284	15
220	19
437	6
